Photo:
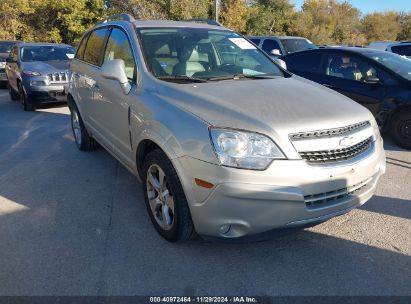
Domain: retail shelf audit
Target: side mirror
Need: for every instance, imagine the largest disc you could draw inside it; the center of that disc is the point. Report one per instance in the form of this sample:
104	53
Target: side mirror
275	52
371	80
281	63
116	70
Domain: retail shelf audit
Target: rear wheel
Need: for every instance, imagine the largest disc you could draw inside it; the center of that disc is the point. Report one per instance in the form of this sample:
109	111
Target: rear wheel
400	128
27	103
165	199
83	140
13	94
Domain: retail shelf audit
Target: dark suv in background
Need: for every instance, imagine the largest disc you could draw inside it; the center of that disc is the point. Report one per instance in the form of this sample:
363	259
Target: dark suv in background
38	72
5	47
282	45
379	80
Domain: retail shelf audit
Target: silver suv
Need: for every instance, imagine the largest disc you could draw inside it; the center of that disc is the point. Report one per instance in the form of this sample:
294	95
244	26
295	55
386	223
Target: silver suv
226	143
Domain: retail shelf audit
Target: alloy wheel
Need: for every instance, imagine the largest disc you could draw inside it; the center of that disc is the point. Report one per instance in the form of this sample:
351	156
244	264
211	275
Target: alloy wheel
160	198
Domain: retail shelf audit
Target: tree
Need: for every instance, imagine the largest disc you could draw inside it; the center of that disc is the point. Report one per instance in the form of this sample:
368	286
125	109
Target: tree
269	17
234	14
328	22
382	26
405	22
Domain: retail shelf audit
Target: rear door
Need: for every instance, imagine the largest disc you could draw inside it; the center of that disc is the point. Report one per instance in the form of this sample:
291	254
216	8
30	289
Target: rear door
306	64
347	73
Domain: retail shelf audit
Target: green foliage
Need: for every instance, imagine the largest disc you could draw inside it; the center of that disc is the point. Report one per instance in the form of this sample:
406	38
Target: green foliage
270	17
322	21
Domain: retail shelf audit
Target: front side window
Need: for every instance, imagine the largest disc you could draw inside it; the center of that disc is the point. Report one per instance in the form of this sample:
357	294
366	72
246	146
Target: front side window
118	47
203	53
269	45
95	46
349	67
46	53
397	64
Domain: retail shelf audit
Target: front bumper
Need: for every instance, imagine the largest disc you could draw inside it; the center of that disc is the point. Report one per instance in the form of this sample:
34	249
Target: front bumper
290	193
54	92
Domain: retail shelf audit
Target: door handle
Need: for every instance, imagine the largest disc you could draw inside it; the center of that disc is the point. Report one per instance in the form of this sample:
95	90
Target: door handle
327	85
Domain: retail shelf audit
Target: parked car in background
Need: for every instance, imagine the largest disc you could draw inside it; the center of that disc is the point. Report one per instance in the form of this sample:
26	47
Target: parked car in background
379	80
401	48
226	143
38	72
282	45
380	45
5	47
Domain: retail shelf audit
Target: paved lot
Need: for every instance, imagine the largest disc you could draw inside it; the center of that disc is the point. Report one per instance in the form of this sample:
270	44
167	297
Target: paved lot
74	223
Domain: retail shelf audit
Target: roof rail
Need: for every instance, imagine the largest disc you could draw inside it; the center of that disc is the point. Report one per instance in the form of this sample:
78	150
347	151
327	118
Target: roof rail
203	20
125	17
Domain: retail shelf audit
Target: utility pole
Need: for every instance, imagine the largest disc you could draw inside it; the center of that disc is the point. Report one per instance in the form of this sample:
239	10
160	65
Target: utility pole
217	9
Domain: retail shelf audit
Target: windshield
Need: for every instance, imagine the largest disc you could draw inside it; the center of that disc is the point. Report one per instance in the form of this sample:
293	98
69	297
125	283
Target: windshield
5	47
396	63
46	53
296	45
203	54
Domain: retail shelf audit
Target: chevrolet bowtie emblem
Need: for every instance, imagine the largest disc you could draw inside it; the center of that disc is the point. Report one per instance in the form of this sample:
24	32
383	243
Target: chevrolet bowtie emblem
346	141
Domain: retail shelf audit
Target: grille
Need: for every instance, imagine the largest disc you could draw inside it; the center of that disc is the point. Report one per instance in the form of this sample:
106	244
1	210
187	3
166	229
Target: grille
331	132
58	77
337	154
321	200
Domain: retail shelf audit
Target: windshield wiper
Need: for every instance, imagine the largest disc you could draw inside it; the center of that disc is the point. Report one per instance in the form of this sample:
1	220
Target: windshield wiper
238	76
182	78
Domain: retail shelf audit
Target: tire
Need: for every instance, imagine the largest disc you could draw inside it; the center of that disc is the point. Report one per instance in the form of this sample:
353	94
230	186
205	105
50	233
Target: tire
168	212
13	94
27	103
83	140
400	128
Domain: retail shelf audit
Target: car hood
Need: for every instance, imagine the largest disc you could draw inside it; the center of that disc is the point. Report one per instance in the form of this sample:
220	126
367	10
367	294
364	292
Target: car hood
46	66
276	106
3	57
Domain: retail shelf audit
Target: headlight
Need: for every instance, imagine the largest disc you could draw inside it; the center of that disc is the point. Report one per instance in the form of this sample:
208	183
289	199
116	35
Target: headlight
246	150
31	73
2	65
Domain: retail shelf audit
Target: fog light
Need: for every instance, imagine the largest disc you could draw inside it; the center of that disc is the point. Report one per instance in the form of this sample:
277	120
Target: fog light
224	228
37	83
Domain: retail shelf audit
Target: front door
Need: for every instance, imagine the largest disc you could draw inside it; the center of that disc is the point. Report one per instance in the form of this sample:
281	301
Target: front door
109	101
351	76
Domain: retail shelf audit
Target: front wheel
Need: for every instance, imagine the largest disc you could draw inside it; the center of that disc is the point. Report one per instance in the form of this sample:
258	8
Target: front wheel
400	128
13	94
27	103
165	199
83	140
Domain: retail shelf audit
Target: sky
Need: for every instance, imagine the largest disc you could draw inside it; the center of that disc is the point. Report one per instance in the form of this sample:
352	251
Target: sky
370	6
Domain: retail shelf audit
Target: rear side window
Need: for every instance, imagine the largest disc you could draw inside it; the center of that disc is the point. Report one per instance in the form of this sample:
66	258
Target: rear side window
255	41
309	63
95	45
82	47
118	47
403	50
269	45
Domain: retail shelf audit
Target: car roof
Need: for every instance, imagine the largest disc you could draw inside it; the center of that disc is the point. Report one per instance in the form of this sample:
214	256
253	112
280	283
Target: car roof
164	23
356	50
